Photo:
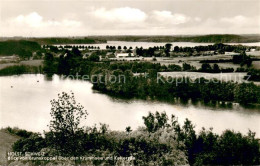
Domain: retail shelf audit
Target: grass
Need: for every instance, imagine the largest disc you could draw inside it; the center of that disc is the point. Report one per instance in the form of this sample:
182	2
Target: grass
6	143
256	64
37	62
27	63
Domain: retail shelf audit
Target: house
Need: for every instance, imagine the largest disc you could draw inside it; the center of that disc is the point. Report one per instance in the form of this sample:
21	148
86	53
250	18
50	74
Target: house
124	55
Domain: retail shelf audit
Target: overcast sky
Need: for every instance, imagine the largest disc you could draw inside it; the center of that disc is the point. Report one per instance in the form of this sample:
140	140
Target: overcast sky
128	17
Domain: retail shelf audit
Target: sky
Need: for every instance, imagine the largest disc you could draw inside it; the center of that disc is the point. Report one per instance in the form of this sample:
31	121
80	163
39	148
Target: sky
45	18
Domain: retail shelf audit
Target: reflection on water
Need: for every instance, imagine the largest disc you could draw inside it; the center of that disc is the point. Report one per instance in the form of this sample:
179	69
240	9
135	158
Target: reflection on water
27	105
214	105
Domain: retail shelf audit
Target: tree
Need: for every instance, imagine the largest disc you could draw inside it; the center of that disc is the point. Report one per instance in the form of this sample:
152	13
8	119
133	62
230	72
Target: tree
236	149
186	66
167	49
176	49
242	59
168	46
76	51
65	132
93	57
49	64
216	68
153	122
128	129
253	75
54	49
205	67
246	93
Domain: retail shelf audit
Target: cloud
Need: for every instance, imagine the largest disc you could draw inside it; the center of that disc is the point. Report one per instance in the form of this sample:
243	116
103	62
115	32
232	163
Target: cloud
168	18
238	24
33	24
240	21
125	21
123	15
235	19
197	19
70	23
34	20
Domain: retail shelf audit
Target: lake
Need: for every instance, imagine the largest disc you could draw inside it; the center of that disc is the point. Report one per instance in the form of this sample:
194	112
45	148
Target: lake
27	105
152	44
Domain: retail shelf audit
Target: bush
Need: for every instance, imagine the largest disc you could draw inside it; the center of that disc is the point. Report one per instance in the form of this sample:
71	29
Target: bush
19	132
34	143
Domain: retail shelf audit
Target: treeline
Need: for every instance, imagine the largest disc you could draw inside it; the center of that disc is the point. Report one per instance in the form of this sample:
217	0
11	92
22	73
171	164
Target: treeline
253	75
170	88
220	47
108	47
207	68
200	38
57	48
22	48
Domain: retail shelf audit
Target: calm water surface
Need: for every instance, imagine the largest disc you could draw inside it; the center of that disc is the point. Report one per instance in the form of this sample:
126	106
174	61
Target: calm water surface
27	105
152	44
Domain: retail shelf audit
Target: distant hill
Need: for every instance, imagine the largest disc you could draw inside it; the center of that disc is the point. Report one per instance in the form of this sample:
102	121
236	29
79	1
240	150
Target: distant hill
59	40
67	40
214	38
25	46
194	38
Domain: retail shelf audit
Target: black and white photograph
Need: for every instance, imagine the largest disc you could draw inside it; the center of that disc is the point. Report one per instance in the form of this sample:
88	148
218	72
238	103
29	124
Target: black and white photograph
129	82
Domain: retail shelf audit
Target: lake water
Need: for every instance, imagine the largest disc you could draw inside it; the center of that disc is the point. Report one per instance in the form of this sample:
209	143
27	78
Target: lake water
27	105
152	44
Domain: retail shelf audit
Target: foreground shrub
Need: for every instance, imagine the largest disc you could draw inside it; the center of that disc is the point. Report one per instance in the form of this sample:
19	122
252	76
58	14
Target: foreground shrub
19	132
65	133
34	143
